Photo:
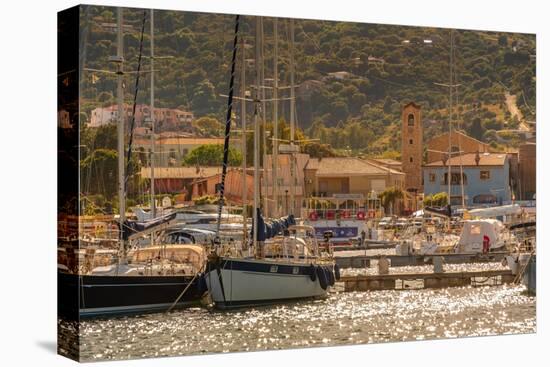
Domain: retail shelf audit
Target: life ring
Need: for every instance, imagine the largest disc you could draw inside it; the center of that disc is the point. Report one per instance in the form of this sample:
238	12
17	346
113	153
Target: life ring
313	216
361	215
345	214
371	213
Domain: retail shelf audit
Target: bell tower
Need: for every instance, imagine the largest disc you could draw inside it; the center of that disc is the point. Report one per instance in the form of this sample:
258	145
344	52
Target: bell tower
411	146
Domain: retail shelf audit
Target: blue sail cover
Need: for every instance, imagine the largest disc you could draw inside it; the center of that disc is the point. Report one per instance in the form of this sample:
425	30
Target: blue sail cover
132	227
273	227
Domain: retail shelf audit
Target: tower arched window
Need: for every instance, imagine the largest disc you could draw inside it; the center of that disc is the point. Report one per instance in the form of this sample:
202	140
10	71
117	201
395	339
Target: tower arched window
410	119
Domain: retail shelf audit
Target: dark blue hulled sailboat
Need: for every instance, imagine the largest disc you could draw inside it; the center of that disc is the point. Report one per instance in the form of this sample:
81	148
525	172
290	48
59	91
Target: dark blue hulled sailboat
283	261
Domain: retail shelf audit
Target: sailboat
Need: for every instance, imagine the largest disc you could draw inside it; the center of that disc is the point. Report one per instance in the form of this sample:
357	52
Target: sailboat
285	261
156	278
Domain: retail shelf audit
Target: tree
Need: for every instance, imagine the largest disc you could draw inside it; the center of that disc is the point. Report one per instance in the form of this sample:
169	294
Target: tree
318	150
389	197
476	129
99	169
439	199
212	155
208	126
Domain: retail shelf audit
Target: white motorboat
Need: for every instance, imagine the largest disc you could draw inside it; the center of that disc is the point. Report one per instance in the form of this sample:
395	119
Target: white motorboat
477	236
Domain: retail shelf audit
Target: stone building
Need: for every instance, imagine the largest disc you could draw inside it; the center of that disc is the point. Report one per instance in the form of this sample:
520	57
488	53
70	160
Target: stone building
438	146
527	162
411	146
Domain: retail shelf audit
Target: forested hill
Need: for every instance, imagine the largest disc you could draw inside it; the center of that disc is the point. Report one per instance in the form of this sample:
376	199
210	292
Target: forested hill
359	110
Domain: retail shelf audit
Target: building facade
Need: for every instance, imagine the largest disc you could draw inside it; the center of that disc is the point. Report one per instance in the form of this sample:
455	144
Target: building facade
166	119
285	186
438	146
171	180
411	146
527	162
348	175
485	179
233	191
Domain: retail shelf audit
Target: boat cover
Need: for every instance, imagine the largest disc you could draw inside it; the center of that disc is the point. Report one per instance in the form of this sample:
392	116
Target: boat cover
444	211
131	227
273	227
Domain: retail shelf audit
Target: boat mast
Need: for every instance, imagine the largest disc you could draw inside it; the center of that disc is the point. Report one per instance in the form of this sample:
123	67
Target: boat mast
257	135
264	123
120	135
275	146
243	136
152	113
449	178
292	121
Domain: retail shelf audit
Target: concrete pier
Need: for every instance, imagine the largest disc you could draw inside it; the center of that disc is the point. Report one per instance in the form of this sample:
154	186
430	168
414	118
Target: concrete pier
414	260
425	280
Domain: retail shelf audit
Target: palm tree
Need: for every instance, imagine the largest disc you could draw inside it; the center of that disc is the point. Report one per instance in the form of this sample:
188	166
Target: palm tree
389	197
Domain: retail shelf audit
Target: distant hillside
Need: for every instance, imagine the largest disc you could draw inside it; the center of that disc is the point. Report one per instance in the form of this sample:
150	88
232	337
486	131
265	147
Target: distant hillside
384	66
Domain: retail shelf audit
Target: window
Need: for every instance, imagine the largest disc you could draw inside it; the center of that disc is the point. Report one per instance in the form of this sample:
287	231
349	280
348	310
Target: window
410	141
323	185
484	175
432	177
475	229
410	119
454	149
485	199
455	178
411	159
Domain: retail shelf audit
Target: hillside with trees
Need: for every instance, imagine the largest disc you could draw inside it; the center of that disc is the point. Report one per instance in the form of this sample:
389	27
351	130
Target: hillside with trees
351	78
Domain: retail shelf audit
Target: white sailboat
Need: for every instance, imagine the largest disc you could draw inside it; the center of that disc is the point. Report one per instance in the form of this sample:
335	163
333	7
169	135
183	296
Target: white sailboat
279	268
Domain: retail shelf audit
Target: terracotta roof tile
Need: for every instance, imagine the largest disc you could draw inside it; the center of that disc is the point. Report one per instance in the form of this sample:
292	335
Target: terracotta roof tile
469	159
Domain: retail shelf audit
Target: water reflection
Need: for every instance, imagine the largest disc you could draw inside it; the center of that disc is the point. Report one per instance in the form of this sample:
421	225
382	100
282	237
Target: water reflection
344	318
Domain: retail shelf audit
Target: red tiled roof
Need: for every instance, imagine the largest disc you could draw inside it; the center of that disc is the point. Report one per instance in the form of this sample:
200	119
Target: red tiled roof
469	159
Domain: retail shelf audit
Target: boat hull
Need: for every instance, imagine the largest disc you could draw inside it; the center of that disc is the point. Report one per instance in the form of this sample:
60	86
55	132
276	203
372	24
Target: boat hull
85	296
247	282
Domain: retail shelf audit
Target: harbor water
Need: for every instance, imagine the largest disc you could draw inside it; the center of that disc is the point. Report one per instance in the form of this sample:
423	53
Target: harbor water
340	319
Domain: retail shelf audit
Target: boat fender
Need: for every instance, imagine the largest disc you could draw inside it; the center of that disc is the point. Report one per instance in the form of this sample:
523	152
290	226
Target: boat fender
330	276
336	271
321	274
312	274
201	284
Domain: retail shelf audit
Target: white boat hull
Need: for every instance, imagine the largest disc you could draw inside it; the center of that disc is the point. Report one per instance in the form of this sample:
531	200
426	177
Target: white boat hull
246	282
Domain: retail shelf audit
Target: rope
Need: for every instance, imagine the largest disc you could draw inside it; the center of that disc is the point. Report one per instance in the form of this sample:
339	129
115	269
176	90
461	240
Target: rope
520	273
136	89
227	127
185	290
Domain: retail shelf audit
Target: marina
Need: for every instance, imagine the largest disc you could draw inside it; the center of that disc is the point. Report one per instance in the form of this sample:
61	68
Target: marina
268	239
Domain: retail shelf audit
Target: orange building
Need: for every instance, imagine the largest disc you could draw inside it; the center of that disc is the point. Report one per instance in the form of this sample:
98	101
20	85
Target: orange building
233	186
